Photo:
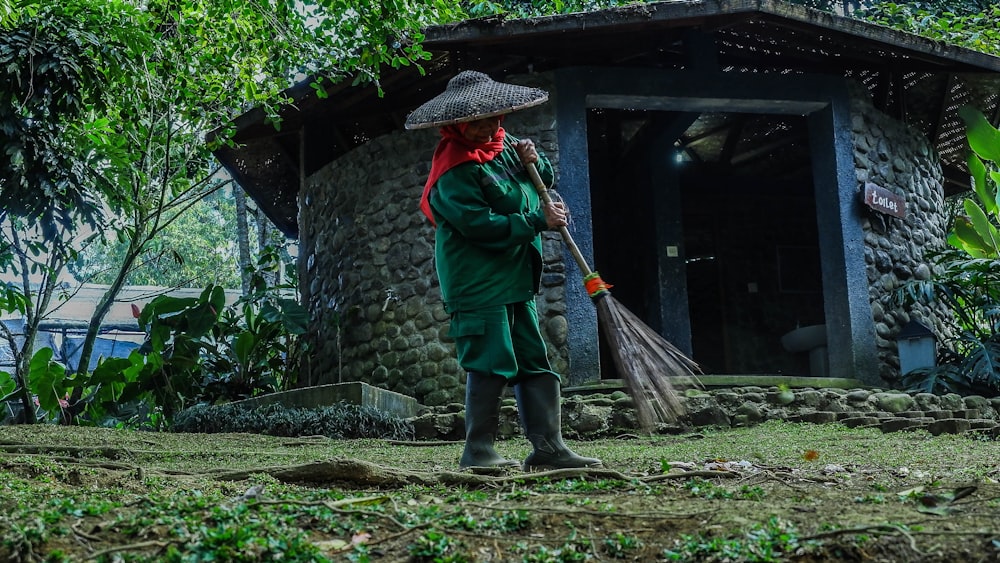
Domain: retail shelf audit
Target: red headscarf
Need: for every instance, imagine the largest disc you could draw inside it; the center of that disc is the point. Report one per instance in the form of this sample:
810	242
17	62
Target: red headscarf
454	149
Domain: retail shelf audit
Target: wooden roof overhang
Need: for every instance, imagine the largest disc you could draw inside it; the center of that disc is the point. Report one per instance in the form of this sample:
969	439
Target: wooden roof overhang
920	81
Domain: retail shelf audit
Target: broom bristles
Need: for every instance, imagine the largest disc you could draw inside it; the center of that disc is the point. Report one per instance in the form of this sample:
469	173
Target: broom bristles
650	365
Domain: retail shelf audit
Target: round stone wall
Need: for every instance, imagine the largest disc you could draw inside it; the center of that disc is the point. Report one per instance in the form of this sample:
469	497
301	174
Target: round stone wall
900	159
367	267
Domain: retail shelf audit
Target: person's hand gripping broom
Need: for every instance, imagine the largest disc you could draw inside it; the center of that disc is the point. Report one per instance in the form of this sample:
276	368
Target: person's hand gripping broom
649	365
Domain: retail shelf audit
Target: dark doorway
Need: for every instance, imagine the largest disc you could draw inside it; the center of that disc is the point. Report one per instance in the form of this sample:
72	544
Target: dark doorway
740	189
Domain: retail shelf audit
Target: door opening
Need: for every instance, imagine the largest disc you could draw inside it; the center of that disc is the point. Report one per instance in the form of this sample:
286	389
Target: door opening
742	243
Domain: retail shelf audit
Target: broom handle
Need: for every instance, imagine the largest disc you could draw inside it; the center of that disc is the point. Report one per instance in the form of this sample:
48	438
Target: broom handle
543	193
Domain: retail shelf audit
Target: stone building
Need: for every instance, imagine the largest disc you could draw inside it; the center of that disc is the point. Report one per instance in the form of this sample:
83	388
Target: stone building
754	177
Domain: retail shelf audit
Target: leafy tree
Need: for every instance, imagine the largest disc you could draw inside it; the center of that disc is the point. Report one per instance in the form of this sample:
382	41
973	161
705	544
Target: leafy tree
51	94
196	250
141	84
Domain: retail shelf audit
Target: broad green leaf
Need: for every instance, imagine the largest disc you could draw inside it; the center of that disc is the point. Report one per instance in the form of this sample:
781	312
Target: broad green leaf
243	347
942	510
12	299
294	316
983	227
987	195
46	380
967	238
7	386
983	137
995	176
110	370
163	306
217	298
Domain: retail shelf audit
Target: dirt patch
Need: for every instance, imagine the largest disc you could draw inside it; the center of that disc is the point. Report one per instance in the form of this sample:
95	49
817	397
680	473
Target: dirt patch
777	492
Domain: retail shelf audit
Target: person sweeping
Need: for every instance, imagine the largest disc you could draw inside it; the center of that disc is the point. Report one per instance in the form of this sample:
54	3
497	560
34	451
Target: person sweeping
488	254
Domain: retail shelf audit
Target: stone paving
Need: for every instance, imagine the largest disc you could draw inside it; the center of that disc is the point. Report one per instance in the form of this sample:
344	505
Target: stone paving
608	414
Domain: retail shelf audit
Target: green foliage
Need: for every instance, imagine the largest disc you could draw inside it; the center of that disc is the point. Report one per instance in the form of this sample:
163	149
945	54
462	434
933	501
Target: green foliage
197	350
710	490
196	250
976	232
47	379
572	550
967	362
52	90
436	546
50	387
967	280
620	545
12	299
533	8
7	13
968	23
47	384
236	536
340	421
777	540
581	485
105	106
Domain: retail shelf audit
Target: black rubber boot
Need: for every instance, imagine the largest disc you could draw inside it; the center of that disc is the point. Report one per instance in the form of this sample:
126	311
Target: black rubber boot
541	417
482	417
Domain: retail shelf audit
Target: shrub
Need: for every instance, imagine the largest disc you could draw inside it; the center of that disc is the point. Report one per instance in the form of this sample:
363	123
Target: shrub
340	420
967	280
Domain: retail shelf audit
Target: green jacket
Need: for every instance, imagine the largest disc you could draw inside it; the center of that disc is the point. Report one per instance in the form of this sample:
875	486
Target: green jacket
487	246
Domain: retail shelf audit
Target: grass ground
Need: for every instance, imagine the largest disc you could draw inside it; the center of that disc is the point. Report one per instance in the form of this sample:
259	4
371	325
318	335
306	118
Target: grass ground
773	492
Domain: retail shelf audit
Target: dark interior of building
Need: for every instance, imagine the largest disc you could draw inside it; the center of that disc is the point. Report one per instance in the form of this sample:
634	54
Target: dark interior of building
748	242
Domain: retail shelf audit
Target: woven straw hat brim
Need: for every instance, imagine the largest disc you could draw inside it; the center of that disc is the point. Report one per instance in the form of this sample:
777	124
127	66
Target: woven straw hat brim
472	95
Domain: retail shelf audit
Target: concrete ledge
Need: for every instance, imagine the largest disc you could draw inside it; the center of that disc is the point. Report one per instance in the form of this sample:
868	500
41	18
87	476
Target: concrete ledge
354	392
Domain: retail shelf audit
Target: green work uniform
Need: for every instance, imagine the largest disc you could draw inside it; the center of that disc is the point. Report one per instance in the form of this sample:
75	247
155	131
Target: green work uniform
488	253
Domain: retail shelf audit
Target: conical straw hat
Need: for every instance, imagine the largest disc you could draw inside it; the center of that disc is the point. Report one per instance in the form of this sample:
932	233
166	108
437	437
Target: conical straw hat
472	95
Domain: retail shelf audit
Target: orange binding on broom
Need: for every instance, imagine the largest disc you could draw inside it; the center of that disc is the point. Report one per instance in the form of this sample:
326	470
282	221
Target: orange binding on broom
649	365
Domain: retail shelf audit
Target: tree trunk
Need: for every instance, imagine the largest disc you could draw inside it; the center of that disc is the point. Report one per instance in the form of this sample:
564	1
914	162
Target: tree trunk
100	312
97	319
34	308
31	326
243	238
264	230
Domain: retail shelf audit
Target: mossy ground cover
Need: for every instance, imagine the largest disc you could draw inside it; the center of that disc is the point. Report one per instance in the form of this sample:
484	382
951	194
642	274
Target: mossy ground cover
773	492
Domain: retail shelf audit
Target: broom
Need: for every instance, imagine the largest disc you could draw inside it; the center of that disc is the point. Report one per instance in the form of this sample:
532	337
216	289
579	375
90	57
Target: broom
645	360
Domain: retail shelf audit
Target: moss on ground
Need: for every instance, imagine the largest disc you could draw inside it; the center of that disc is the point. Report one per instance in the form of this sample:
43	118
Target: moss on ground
773	492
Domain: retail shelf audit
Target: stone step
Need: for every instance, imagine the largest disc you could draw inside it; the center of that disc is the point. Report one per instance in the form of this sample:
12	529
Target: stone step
860	421
819	417
949	426
903	423
983	423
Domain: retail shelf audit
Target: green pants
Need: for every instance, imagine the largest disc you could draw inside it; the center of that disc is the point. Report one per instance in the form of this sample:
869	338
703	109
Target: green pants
502	340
